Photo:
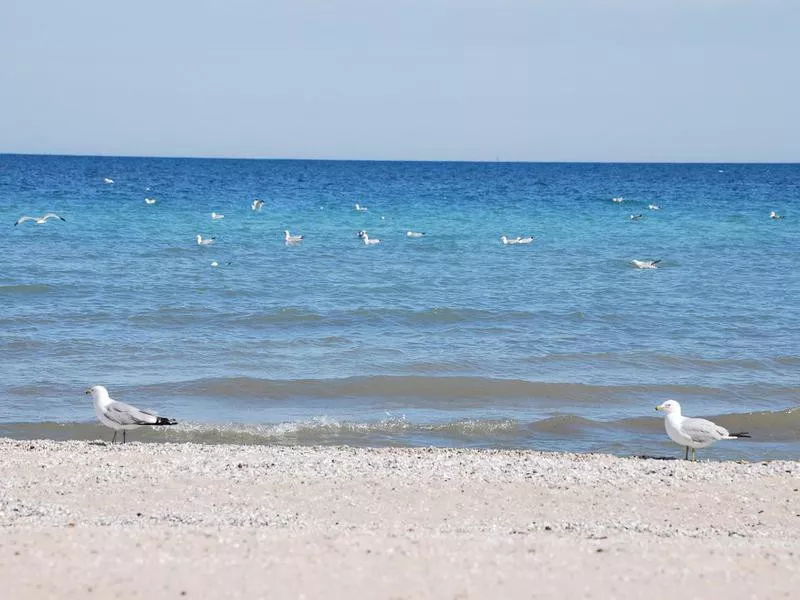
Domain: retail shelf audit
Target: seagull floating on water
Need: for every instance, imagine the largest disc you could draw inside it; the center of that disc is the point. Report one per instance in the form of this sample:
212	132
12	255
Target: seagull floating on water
256	204
149	200
692	432
645	264
507	241
774	215
415	234
653	207
201	241
39	220
216	216
636	217
108	180
360	208
368	241
120	416
291	239
617	200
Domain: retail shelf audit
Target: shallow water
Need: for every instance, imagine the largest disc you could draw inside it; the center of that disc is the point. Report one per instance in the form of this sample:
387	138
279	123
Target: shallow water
451	339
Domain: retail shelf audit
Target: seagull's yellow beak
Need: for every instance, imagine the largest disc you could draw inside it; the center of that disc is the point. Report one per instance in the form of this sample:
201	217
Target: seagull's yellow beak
660	407
89	391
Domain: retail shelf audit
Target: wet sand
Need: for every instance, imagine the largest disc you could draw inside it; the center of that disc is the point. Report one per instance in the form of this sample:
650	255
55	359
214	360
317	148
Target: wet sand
85	520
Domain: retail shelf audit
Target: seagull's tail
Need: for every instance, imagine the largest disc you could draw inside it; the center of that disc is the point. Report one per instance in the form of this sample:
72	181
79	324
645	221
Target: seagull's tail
741	434
165	421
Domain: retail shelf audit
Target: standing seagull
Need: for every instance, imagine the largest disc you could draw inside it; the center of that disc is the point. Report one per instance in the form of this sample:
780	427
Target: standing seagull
121	416
39	220
691	432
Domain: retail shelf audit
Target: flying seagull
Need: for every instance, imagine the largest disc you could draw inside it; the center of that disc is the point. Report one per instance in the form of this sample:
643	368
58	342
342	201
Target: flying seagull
39	220
368	241
291	239
692	432
645	264
256	204
507	241
120	416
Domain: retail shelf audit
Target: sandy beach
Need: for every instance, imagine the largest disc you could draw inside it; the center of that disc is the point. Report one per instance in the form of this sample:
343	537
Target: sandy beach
87	520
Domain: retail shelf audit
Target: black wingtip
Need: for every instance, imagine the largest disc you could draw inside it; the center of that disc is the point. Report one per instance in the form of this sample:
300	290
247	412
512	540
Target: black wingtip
741	434
165	421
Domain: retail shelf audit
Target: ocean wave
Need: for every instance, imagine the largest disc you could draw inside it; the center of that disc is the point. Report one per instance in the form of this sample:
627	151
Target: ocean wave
429	387
293	315
765	427
26	288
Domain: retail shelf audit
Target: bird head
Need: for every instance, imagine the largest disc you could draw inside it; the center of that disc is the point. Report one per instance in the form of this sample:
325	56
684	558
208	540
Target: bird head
670	407
97	391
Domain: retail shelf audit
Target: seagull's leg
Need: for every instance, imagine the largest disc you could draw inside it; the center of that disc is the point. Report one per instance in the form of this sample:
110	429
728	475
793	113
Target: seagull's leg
114	439
692	454
687	453
124	440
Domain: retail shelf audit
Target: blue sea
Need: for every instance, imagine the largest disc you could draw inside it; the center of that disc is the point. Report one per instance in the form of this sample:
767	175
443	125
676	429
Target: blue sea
450	339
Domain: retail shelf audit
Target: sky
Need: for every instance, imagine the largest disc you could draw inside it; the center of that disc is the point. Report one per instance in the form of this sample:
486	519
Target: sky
509	80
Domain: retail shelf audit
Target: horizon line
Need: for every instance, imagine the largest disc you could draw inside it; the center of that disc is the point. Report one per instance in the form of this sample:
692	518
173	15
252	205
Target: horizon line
400	160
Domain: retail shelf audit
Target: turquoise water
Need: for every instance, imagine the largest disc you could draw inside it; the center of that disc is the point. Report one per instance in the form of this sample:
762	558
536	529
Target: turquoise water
449	339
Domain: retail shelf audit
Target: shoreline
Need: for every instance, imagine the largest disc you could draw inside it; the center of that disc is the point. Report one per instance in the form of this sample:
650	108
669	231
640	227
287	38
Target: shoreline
86	519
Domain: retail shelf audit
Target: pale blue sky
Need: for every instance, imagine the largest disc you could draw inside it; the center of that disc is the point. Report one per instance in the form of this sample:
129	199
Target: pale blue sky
558	80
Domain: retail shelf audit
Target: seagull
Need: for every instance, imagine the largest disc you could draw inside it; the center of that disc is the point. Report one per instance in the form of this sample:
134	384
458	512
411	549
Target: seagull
201	241
636	217
653	207
515	241
774	215
360	208
367	240
149	200
39	220
645	264
691	432
108	180
121	416
617	200
216	216
214	263
256	204
291	239
415	234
